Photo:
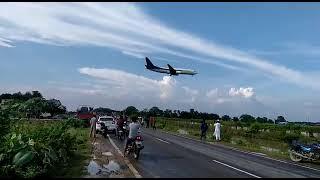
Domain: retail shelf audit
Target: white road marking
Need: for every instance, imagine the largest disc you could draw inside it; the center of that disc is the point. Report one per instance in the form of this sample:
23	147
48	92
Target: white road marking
236	169
163	140
134	171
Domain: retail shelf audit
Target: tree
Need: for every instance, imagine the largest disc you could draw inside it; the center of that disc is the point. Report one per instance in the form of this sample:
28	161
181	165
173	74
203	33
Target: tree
246	118
280	119
235	119
155	111
54	107
215	116
225	118
36	94
261	120
131	110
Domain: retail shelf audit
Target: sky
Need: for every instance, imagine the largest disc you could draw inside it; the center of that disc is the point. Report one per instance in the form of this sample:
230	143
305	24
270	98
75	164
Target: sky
255	58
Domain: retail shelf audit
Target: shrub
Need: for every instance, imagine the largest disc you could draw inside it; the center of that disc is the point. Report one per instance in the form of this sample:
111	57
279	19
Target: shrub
31	149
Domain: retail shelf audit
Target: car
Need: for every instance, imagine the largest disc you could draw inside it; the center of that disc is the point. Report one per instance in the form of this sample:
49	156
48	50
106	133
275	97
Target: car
108	121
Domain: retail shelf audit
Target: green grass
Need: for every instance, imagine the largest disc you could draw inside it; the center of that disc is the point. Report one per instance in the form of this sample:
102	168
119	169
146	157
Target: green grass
242	139
75	167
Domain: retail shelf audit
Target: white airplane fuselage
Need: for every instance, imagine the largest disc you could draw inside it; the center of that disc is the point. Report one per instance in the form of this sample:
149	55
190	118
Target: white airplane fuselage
178	71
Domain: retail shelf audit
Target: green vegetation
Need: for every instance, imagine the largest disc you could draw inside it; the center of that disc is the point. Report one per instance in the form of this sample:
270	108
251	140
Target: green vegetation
28	105
34	148
271	139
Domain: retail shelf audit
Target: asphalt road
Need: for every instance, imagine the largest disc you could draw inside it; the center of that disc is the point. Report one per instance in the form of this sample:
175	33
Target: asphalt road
167	155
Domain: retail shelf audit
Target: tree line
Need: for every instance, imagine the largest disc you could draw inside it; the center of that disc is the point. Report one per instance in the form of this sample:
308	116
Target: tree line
155	111
30	104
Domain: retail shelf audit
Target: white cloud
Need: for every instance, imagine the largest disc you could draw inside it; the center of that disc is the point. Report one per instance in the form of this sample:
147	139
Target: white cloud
212	93
136	55
130	84
242	92
125	26
193	93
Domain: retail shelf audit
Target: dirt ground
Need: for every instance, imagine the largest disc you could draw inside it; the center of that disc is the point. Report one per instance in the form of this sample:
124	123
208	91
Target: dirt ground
105	161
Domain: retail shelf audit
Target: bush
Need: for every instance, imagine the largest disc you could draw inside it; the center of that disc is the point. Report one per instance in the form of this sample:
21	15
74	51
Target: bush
31	149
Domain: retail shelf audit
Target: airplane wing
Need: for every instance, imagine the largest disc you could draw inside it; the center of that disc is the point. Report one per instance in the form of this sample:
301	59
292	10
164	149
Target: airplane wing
172	70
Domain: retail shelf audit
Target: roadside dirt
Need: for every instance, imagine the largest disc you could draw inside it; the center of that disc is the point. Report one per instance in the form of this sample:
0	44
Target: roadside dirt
105	161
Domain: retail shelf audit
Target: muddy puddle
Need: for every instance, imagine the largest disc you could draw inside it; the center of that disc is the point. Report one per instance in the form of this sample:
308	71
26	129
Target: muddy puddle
94	169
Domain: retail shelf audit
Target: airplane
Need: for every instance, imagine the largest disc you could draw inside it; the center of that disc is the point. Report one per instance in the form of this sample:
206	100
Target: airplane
170	70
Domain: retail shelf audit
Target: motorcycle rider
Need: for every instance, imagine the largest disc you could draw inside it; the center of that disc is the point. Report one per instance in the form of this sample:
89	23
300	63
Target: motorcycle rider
120	124
134	127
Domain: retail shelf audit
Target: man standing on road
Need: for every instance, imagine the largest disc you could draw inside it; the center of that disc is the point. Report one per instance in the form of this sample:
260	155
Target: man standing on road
217	128
154	123
204	128
120	124
93	123
134	127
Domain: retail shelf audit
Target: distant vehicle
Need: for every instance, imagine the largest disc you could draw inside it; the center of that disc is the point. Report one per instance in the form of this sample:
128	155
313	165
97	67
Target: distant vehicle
85	112
108	122
170	70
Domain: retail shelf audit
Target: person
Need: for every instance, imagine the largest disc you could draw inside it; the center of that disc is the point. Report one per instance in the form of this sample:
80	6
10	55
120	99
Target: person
120	124
134	127
93	123
147	122
217	128
204	128
154	123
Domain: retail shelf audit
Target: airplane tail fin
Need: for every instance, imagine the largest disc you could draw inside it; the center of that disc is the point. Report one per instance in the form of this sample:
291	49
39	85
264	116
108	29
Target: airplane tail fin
172	70
149	63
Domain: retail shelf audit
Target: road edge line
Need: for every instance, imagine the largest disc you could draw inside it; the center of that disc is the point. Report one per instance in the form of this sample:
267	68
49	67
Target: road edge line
133	170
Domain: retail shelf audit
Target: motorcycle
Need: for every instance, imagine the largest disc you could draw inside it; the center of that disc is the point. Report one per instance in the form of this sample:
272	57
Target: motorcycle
121	134
299	152
104	130
135	147
125	129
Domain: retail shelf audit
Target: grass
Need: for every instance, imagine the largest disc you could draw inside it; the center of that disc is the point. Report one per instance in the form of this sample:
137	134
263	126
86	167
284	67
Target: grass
230	137
75	167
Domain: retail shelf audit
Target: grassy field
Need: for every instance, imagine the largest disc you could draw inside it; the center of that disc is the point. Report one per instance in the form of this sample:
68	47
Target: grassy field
269	139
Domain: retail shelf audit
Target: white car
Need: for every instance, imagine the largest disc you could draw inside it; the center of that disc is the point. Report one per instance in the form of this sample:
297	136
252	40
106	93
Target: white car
108	121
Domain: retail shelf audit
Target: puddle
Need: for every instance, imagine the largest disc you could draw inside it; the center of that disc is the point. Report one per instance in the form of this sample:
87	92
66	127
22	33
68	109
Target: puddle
112	166
95	169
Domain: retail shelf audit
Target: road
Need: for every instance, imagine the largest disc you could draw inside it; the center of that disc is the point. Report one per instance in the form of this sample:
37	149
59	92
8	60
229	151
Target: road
167	155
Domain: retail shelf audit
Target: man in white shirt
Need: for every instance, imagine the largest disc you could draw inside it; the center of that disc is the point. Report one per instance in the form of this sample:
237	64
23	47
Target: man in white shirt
133	131
217	127
93	123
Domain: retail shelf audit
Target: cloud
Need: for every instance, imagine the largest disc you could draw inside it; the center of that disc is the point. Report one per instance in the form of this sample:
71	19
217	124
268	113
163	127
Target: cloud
136	55
128	84
5	42
212	93
242	92
193	93
125	26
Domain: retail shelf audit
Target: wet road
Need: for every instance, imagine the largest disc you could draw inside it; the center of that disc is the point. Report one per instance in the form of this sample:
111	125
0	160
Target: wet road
167	155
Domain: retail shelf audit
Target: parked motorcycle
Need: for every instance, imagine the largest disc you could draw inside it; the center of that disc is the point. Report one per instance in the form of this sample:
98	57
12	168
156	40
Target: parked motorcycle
135	147
299	152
